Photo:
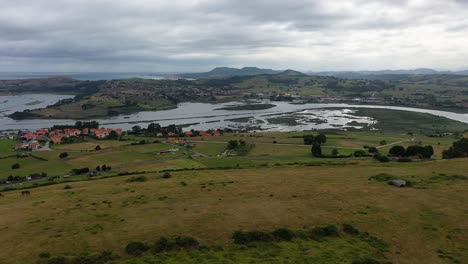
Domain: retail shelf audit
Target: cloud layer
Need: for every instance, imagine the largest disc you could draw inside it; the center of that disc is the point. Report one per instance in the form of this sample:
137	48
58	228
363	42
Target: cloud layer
189	35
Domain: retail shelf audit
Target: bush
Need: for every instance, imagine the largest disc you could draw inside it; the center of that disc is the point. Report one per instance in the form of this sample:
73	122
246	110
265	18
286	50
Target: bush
381	158
318	233
97	147
163	245
63	155
137	179
136	248
67	187
405	159
80	171
397	151
44	255
15	166
349	229
282	234
166	175
57	260
372	150
186	242
359	153
241	237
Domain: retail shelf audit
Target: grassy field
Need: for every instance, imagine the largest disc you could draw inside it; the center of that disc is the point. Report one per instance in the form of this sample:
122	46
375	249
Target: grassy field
209	197
108	213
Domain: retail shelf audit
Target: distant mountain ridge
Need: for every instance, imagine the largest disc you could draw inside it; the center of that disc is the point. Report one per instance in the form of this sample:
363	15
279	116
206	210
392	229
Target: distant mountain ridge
225	72
384	74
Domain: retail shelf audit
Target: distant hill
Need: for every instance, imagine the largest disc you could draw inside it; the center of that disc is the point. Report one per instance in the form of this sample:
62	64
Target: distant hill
385	74
225	72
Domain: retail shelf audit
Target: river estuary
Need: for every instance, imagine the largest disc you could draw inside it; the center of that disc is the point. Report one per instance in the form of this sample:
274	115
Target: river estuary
284	116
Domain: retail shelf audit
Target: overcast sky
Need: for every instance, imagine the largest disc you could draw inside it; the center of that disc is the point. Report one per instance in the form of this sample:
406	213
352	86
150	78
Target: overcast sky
188	35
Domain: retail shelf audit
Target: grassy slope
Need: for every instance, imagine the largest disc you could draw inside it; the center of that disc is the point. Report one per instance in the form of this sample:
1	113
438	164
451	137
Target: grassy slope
108	213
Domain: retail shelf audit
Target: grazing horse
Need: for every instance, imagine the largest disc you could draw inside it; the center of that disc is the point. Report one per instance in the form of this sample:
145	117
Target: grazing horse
25	193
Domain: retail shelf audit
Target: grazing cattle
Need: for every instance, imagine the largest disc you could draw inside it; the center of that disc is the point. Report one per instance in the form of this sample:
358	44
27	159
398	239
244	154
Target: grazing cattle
25	193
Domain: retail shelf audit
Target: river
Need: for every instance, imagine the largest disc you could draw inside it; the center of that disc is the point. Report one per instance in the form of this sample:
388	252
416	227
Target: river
283	117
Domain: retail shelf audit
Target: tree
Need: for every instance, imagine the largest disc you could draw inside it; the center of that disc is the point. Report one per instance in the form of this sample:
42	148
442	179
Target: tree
321	138
63	155
98	168
154	128
104	167
136	129
316	150
308	139
427	151
15	166
414	150
97	147
335	152
233	144
113	135
397	151
372	150
459	149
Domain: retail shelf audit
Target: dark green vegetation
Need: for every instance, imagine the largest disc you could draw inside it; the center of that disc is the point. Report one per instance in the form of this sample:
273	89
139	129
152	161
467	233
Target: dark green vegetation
107	98
411	122
459	149
248	107
279	245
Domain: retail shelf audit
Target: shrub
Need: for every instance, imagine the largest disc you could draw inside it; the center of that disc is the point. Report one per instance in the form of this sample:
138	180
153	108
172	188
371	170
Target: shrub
97	147
163	245
136	248
57	260
349	229
15	166
241	237
383	142
372	150
381	158
137	179
67	187
282	234
405	159
318	233
166	175
44	255
382	177
335	152
63	155
186	242
359	153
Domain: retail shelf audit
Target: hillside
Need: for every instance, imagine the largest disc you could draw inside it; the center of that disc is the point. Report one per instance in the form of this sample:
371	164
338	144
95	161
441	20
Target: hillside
225	72
208	196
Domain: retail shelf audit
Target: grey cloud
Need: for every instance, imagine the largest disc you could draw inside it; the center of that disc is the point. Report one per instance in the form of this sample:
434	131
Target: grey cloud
197	35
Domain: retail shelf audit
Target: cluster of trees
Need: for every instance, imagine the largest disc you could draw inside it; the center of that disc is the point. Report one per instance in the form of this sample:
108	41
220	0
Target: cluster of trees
240	146
459	149
415	150
103	168
311	139
78	125
154	128
32	176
